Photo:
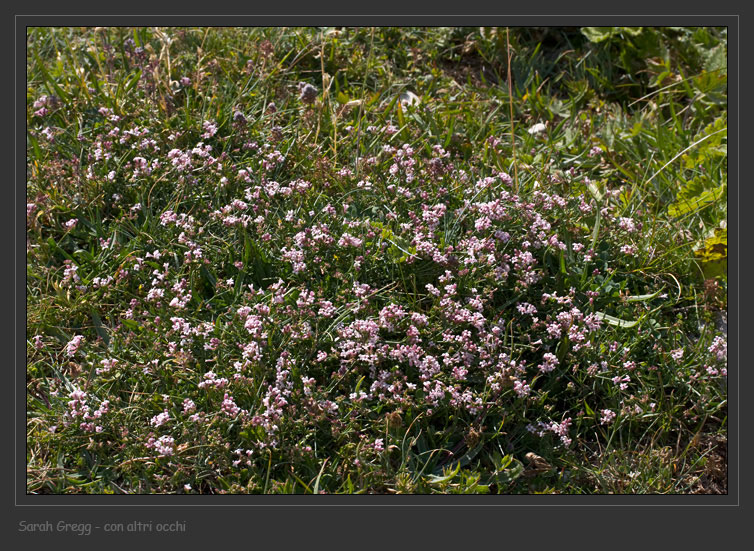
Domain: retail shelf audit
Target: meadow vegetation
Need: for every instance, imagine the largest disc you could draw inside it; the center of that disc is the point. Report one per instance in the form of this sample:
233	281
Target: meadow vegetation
328	260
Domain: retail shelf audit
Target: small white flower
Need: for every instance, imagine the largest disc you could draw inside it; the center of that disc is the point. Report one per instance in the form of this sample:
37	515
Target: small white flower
537	129
409	98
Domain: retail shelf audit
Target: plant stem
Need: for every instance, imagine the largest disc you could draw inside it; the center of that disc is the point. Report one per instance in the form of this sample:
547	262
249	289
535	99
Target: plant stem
510	102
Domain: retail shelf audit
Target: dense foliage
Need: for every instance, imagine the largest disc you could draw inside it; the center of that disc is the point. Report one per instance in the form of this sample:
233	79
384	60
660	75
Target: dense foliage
313	260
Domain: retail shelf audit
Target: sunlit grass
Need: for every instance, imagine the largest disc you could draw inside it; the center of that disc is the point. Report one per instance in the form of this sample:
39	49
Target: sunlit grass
308	261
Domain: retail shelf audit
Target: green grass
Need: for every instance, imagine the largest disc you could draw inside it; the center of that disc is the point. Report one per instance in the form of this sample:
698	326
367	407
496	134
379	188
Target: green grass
635	128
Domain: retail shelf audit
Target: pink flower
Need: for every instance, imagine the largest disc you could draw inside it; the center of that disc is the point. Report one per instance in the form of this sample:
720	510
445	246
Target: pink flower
72	347
719	348
229	407
553	329
526	308
550	362
390	314
107	365
41	102
165	445
161	419
630	250
348	240
521	388
607	417
210	379
627	224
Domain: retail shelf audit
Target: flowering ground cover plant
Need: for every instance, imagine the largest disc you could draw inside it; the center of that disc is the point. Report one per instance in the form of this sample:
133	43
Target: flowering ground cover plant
315	261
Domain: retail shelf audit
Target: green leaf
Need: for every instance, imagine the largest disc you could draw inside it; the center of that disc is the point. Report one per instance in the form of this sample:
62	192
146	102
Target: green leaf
717	60
594	190
35	147
641	298
589	411
611	320
132	81
598	34
358	385
341	97
713	255
49	82
631	31
466	458
56	249
706	198
85	255
507	470
450	475
99	328
710	141
319	476
401	118
131	324
208	276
